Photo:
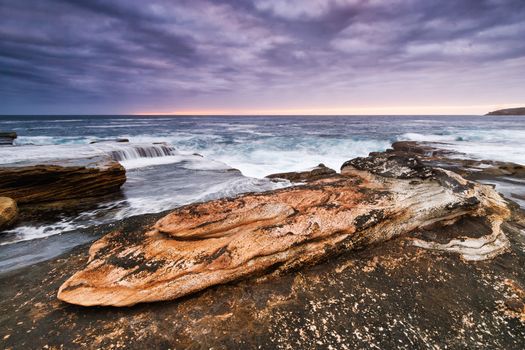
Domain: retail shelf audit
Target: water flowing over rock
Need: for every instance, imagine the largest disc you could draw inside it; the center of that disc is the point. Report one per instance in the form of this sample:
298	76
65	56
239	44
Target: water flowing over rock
142	151
8	212
197	246
61	180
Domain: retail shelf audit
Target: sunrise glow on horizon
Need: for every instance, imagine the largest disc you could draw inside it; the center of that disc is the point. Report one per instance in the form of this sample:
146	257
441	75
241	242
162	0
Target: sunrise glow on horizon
399	110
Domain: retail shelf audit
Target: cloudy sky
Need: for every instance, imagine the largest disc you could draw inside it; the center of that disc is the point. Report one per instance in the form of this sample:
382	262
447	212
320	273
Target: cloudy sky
261	56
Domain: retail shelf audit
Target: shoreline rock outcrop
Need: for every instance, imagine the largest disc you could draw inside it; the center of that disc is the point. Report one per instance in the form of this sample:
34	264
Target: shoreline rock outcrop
374	199
7	138
8	212
53	181
319	172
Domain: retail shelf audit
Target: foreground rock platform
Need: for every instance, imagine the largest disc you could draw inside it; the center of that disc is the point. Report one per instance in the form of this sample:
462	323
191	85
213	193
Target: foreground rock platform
198	246
389	295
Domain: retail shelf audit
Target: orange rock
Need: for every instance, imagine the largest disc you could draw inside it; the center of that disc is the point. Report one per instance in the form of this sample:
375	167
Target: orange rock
8	212
201	245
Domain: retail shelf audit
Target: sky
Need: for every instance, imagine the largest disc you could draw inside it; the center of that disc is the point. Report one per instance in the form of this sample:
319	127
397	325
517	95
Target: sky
261	56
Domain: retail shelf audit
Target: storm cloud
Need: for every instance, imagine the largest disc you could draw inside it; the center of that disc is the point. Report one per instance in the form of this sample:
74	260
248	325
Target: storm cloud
80	56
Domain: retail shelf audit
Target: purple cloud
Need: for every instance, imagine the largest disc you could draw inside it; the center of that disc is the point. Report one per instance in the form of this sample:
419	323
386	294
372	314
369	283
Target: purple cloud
73	56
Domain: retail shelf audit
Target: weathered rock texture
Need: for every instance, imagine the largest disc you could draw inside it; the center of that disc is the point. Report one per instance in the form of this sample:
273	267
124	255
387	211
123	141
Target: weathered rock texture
8	212
64	180
7	138
201	245
432	154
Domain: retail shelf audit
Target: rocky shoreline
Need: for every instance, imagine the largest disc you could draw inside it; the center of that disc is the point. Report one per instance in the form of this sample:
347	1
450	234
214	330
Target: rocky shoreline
392	237
53	187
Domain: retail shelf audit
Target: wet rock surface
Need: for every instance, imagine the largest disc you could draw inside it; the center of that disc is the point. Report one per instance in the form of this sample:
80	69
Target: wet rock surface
507	176
7	138
391	294
118	140
54	181
51	189
319	172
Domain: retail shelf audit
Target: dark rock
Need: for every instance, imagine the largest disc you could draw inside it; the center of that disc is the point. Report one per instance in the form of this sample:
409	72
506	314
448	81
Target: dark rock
61	180
420	148
389	165
509	111
7	138
319	172
110	140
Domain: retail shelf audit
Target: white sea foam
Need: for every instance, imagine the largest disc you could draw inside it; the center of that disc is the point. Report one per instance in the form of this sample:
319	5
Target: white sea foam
256	148
30	232
503	145
187	161
266	158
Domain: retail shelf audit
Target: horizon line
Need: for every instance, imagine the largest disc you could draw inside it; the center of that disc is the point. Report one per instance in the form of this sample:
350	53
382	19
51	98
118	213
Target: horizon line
239	115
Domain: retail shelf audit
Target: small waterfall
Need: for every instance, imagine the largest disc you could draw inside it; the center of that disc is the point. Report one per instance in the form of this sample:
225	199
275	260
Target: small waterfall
142	151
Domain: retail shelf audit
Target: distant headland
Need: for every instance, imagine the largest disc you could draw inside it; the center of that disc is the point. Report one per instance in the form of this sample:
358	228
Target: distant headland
509	111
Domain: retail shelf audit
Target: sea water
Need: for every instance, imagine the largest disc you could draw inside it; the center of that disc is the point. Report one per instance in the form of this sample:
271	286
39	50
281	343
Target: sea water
172	161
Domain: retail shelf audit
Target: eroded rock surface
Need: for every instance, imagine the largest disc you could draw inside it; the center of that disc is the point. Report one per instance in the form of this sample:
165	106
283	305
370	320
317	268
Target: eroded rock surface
201	245
61	180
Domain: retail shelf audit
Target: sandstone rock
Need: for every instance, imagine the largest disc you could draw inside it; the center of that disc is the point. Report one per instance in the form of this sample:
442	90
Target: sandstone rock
8	212
7	138
201	245
316	173
61	180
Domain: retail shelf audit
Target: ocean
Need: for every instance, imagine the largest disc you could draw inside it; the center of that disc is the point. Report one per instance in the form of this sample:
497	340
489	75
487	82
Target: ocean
172	161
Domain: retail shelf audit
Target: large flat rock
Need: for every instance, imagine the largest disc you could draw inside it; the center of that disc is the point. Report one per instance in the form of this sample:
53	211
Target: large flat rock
56	180
198	246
